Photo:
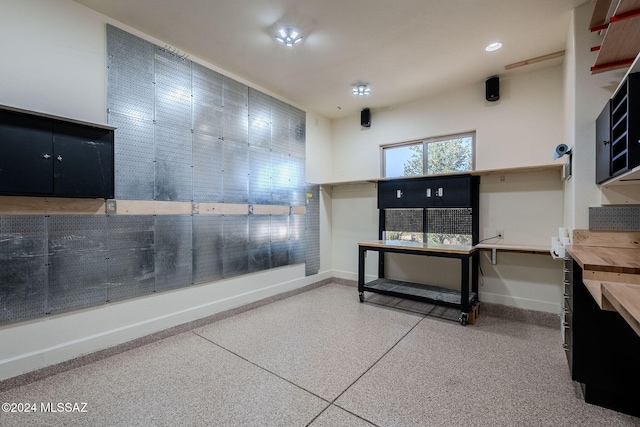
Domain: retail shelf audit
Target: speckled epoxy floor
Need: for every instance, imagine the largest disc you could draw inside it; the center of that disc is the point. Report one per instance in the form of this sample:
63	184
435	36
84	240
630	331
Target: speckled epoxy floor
320	358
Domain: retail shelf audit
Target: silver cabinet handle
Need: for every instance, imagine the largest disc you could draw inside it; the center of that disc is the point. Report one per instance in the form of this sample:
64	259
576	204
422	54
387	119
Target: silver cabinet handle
59	158
46	156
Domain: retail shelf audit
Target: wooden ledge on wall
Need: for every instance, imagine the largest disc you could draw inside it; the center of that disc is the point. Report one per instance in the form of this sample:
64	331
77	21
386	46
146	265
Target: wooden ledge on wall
23	205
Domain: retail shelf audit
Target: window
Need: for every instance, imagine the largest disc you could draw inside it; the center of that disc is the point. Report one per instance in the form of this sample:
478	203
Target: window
446	154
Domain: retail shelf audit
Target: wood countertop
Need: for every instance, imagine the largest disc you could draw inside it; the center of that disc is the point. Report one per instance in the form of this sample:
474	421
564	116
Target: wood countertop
420	247
606	259
611	270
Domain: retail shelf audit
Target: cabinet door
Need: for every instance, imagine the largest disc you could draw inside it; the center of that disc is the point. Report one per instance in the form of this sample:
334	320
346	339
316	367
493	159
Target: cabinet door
603	145
83	161
451	192
391	194
25	154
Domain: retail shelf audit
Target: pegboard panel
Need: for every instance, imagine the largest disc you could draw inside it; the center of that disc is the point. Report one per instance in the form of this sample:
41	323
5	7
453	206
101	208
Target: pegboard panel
207	98
259	257
208	165
130	88
259	119
130	231
280	240
236	173
173	90
259	176
173	164
77	280
449	221
408	220
208	246
173	262
134	157
297	240
131	273
235	259
280	114
23	271
77	233
280	178
614	218
235	128
296	181
312	232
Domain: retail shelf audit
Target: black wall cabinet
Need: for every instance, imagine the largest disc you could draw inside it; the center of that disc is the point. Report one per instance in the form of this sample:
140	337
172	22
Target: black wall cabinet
603	144
43	156
621	127
428	192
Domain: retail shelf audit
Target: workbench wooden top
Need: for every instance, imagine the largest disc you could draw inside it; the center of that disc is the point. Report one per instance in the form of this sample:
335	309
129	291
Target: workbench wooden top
607	259
420	246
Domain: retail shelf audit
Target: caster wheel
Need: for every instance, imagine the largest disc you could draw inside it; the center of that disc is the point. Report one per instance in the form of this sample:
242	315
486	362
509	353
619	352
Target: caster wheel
361	294
464	318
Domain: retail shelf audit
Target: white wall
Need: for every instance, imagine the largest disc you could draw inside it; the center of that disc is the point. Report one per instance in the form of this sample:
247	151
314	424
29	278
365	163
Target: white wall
55	62
586	94
522	129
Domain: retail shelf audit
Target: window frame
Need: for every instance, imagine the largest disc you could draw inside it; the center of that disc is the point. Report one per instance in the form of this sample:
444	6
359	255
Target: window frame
425	159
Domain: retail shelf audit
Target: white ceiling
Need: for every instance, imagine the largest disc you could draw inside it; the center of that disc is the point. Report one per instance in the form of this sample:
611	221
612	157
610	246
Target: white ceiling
404	49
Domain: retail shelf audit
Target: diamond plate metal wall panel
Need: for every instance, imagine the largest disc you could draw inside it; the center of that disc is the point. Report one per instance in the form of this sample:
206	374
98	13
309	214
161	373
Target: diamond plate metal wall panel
297	239
173	90
259	176
614	218
236	173
312	235
174	261
208	165
134	157
130	88
259	119
173	164
235	259
208	247
77	280
23	271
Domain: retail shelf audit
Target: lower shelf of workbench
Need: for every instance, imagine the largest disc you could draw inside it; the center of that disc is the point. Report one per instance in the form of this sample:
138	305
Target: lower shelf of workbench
427	293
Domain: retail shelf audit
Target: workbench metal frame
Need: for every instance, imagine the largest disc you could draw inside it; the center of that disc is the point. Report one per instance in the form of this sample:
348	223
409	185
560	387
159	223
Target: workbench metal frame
469	260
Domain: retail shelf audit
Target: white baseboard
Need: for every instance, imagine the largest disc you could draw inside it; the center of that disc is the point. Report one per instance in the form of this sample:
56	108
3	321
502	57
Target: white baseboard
46	341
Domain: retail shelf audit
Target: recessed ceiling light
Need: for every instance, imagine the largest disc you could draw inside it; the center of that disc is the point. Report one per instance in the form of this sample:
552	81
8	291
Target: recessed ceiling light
493	46
361	89
289	36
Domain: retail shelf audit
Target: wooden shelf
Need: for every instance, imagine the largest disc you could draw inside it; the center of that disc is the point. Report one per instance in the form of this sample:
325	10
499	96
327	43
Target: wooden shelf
484	172
528	249
620	20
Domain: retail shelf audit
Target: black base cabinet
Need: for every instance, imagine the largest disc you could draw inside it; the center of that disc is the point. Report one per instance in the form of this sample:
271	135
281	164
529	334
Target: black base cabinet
44	156
603	352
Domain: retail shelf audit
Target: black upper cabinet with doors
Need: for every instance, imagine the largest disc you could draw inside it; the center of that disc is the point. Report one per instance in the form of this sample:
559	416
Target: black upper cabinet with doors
603	144
45	156
426	192
621	127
